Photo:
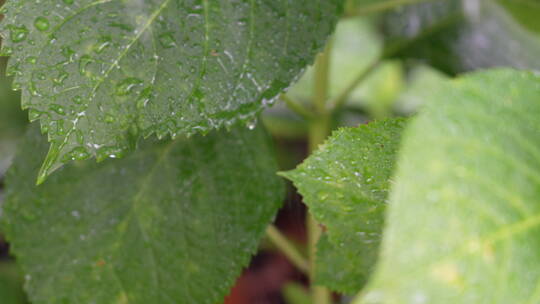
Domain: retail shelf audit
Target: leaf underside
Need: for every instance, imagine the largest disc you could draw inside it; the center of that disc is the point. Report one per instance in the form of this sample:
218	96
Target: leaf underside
174	222
99	74
463	222
345	185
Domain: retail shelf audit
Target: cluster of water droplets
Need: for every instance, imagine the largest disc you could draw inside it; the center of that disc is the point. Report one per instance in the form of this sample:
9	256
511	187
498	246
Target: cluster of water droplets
101	78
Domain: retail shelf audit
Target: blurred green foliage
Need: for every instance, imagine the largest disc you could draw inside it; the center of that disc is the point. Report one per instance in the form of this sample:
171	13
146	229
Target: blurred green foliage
428	41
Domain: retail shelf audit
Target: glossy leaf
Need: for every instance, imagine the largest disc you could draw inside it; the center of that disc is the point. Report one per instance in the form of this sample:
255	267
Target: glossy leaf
98	74
174	222
463	223
345	186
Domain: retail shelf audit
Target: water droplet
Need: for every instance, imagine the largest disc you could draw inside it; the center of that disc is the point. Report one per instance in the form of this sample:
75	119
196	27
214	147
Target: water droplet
126	85
18	33
252	124
57	108
77	99
33	91
110	118
34	115
144	97
57	126
16	85
84	62
42	23
6	51
59	80
31	60
79	153
13	69
167	40
322	196
109	152
103	43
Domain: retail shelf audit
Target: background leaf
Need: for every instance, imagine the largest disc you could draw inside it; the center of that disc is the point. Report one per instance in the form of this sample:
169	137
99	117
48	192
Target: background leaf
525	12
12	120
456	36
100	73
422	80
11	291
345	186
173	223
355	45
463	221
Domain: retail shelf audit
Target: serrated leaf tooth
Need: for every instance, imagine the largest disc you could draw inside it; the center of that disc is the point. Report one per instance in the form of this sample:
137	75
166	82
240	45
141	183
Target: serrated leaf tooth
200	60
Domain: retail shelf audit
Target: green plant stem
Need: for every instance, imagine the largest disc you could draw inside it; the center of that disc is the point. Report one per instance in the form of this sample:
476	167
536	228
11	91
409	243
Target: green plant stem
388	52
319	294
297	107
380	7
340	100
287	248
319	129
322	74
285	127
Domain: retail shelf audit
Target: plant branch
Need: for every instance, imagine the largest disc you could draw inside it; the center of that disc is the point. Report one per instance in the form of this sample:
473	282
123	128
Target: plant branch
318	131
319	294
393	49
380	7
322	74
287	248
340	100
297	107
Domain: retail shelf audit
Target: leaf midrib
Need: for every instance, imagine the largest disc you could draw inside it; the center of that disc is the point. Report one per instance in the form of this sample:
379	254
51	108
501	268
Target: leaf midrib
147	25
137	199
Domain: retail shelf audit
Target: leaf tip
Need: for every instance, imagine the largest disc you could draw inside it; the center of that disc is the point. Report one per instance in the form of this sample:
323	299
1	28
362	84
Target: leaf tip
284	174
41	178
289	175
50	164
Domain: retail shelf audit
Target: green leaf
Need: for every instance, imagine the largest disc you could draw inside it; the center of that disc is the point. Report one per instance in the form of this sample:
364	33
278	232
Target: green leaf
463	222
12	120
357	8
457	36
421	79
345	185
525	12
174	222
99	74
11	284
355	45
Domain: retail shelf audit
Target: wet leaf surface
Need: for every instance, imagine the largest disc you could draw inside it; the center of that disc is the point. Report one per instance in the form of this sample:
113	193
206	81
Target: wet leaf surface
345	185
174	222
99	74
